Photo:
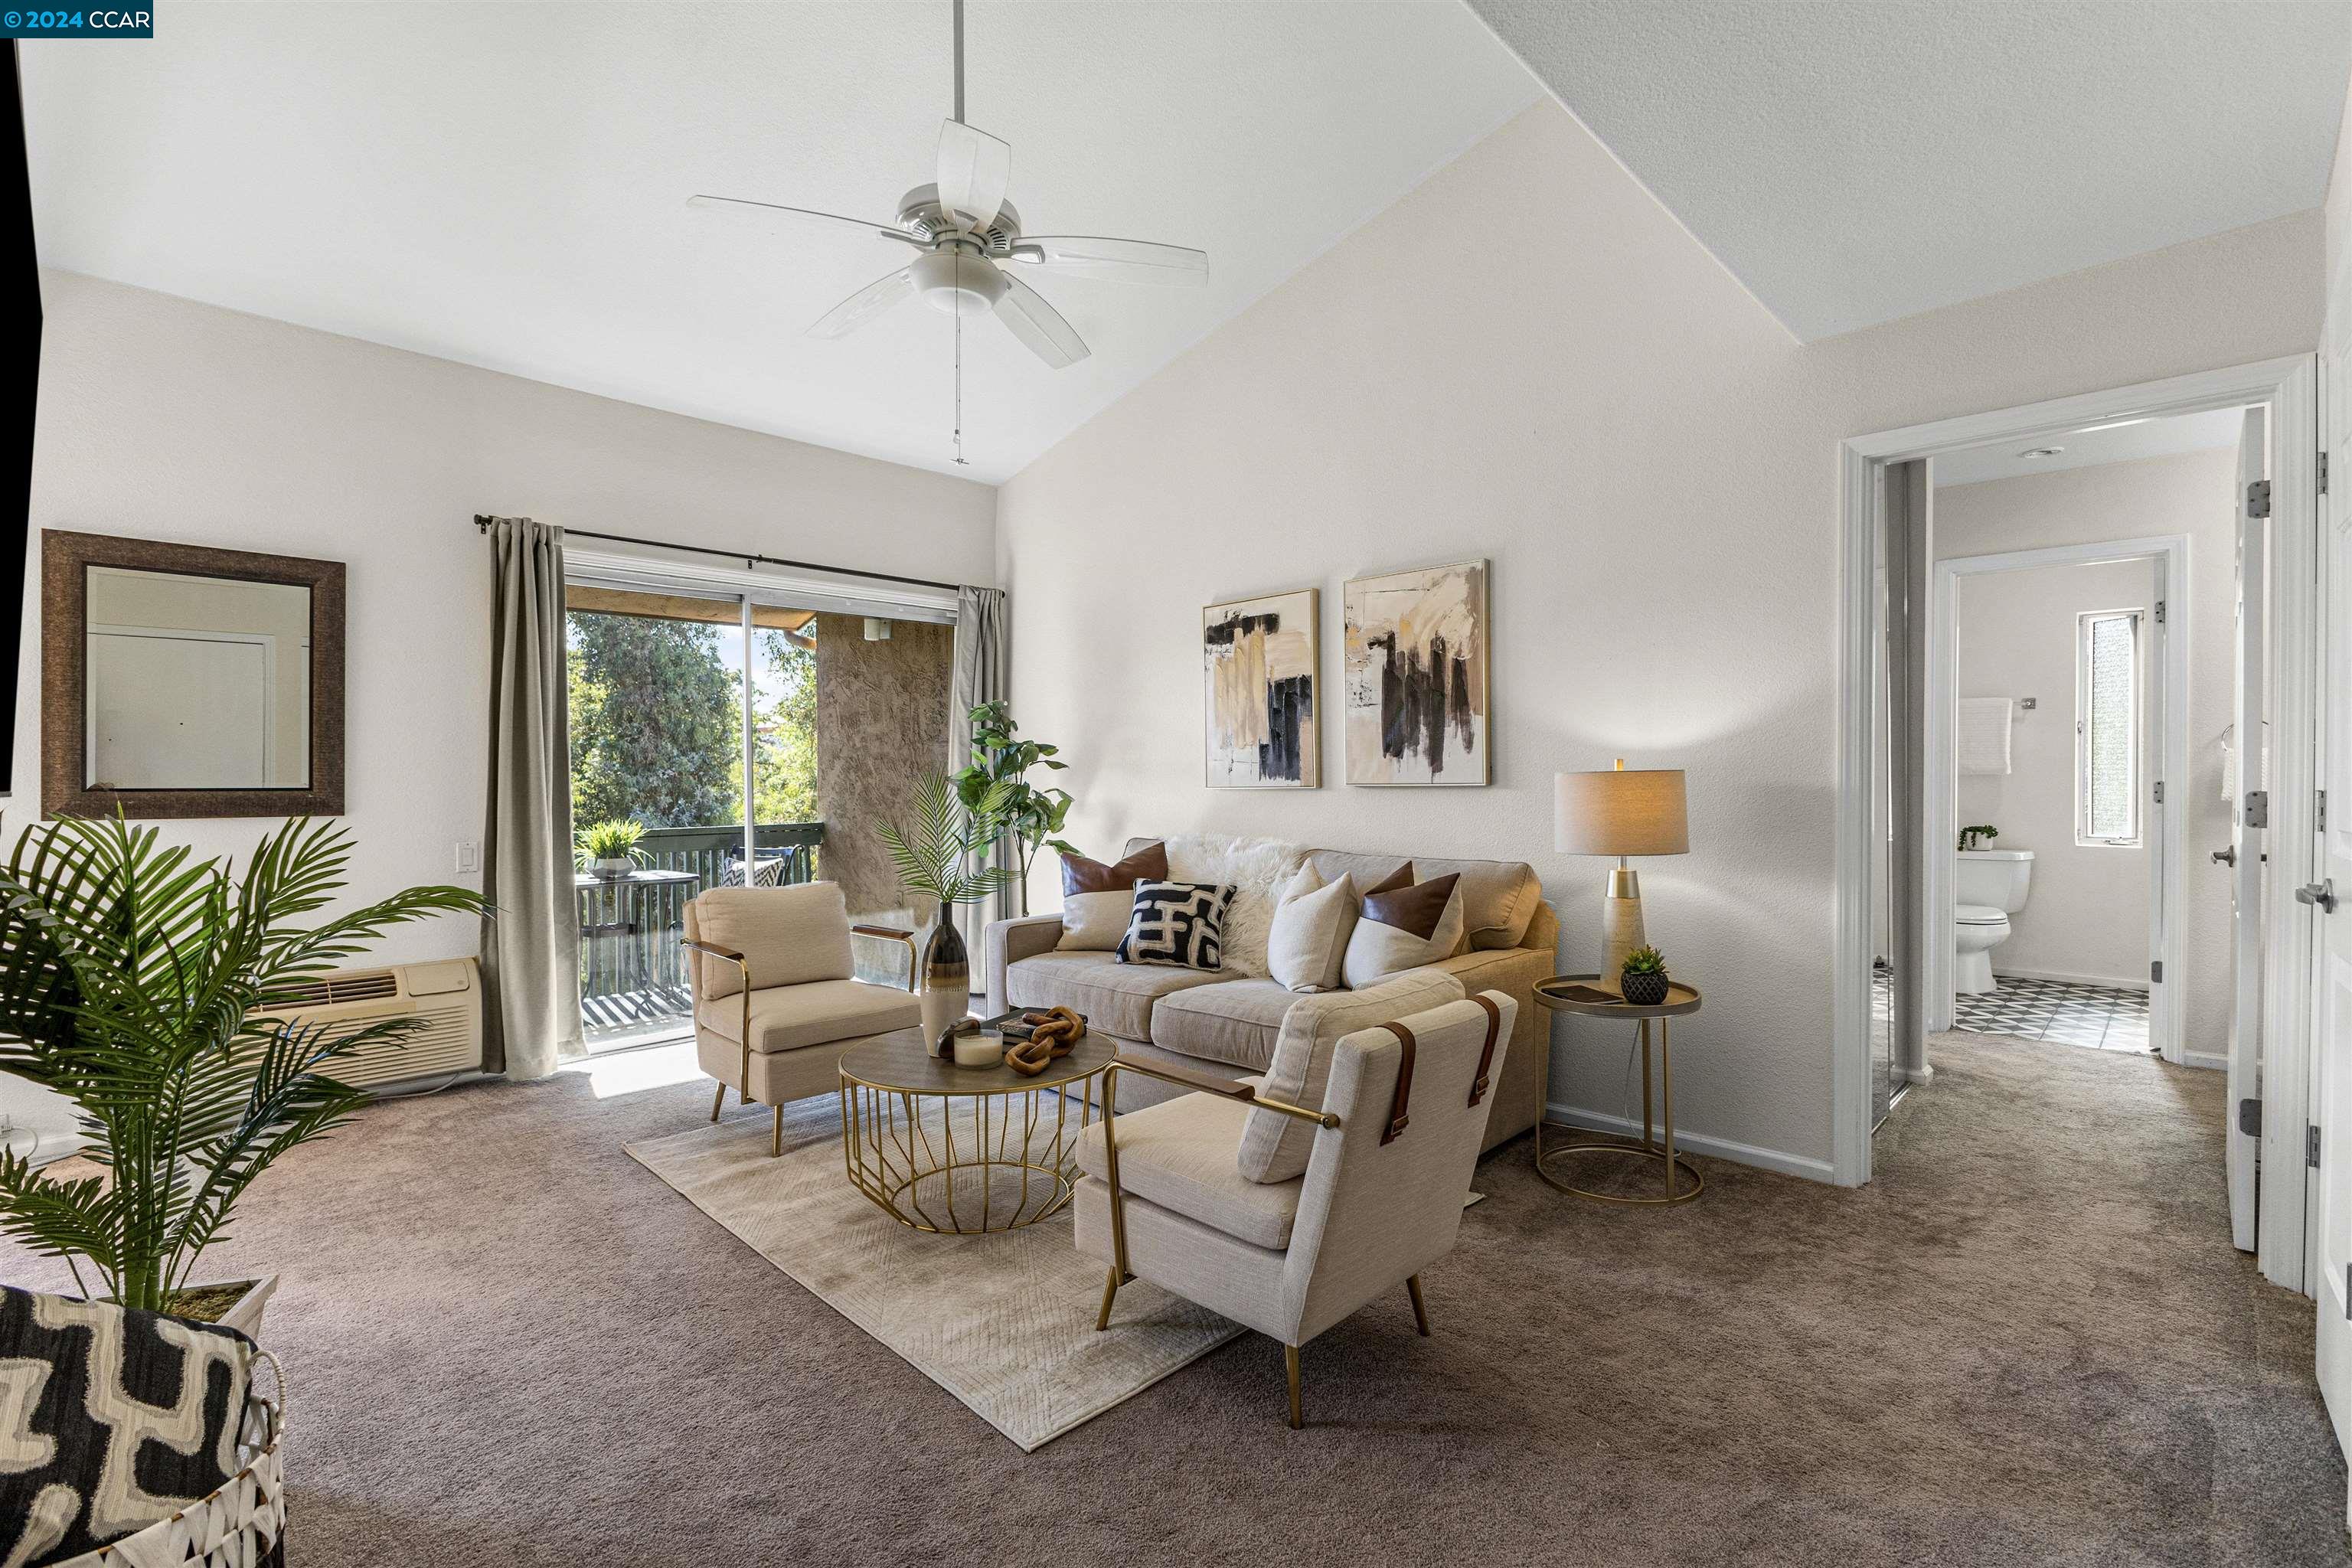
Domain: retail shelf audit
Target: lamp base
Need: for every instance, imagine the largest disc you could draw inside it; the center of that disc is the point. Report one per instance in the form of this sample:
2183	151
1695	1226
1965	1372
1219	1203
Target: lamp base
1620	922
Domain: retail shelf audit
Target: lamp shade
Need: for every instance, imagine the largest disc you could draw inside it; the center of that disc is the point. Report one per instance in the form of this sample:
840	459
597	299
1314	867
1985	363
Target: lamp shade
1640	812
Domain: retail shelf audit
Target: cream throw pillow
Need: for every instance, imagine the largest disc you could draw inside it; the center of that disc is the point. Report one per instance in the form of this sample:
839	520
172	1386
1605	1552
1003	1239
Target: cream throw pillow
1096	899
1377	947
1309	935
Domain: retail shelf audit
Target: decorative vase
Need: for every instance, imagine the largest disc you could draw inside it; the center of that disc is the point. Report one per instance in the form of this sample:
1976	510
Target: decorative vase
610	871
947	983
1643	990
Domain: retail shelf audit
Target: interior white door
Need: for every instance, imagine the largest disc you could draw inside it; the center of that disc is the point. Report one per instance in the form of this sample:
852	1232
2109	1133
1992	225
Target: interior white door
2328	1236
179	710
2249	754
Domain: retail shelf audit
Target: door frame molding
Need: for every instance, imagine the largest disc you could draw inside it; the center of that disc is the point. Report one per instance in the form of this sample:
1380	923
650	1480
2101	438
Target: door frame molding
2290	385
2167	860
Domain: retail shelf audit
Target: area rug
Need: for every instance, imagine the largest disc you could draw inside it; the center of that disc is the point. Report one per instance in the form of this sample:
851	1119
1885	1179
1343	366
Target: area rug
1004	1322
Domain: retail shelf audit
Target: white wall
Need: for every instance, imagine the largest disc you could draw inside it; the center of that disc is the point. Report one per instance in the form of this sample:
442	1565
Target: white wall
1575	389
2086	915
2190	493
165	419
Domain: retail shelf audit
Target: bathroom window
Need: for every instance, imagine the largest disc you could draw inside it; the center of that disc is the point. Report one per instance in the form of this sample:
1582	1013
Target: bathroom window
2106	728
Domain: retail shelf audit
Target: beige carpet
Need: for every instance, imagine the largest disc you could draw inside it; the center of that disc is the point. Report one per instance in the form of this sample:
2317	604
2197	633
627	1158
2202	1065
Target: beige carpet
1004	1322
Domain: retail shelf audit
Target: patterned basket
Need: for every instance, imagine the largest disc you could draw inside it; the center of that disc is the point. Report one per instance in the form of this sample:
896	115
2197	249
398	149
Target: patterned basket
242	1525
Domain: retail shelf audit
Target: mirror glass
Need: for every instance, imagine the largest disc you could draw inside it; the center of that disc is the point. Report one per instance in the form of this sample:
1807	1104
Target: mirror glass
196	682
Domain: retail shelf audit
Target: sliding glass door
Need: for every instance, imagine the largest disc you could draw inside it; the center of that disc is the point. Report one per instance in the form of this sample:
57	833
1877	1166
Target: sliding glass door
688	702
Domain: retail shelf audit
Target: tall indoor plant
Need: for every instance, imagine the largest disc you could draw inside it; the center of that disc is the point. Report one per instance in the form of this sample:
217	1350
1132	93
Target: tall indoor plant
934	853
1030	815
130	978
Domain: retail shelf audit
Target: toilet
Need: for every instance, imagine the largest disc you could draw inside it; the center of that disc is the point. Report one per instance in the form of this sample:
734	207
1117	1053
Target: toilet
1990	885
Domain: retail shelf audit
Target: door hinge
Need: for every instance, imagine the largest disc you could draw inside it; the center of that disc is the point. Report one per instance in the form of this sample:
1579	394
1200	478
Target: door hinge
2320	811
2311	1144
2249	1118
2159	791
2323	473
2258	808
2258	499
2156	971
2159	612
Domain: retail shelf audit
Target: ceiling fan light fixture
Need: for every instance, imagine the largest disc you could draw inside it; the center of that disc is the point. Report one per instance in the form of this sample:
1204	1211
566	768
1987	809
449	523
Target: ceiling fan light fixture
958	285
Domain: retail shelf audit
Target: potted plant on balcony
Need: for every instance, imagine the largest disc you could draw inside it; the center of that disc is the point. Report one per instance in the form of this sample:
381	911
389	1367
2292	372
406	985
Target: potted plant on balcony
934	854
610	849
1030	815
135	981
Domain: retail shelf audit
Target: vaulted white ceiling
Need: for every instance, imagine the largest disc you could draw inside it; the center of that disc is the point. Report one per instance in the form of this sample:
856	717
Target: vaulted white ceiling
503	184
1855	161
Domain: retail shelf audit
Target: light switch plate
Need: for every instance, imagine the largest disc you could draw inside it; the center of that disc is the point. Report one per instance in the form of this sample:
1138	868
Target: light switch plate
469	855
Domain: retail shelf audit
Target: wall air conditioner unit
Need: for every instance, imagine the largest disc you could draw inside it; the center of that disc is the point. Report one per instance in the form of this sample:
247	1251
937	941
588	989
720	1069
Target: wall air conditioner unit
448	995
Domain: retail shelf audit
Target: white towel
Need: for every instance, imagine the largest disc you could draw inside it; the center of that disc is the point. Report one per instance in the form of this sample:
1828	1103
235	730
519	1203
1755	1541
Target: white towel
1984	734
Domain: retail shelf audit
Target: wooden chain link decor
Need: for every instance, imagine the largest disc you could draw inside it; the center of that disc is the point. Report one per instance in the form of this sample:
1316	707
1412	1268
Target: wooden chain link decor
1053	1032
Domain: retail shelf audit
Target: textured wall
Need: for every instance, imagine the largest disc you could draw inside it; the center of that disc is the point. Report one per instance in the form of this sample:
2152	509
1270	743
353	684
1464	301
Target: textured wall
881	727
1652	465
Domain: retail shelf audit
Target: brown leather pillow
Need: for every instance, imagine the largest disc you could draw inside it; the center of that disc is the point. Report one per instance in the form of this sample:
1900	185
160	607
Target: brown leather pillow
1399	878
1416	908
1080	875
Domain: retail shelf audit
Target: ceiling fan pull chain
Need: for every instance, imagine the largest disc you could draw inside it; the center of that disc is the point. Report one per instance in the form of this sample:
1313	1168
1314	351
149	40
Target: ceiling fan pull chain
958	356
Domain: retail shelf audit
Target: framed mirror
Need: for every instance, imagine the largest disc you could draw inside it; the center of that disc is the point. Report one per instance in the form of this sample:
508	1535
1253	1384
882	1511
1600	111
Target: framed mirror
183	681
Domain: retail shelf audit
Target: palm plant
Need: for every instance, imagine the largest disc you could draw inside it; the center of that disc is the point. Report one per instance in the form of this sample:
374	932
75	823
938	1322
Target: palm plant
934	851
134	980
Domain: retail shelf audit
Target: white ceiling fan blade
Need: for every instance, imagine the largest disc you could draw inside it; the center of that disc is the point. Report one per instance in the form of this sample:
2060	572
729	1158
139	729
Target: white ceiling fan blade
974	169
772	216
1024	312
865	305
1114	260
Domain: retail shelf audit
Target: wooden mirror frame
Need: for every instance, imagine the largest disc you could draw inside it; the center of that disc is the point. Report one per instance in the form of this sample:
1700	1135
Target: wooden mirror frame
66	560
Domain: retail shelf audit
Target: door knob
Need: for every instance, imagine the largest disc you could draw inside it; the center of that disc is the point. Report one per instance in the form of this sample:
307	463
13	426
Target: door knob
2226	856
2320	893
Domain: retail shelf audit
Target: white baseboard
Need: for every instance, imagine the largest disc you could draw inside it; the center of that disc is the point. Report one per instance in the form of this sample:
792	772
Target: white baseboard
1700	1143
2213	1059
2107	982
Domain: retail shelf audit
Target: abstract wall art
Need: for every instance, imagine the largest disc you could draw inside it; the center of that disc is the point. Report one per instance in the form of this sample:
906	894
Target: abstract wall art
1258	660
1415	689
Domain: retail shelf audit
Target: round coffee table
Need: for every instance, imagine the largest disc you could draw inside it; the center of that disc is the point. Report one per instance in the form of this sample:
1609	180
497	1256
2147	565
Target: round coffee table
1560	994
964	1150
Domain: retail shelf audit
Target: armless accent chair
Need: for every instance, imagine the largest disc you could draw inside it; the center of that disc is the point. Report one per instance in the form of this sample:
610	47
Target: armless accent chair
1286	1208
774	1002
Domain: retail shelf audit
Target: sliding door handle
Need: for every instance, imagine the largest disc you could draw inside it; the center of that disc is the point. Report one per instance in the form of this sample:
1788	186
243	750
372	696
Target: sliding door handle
2320	893
2226	856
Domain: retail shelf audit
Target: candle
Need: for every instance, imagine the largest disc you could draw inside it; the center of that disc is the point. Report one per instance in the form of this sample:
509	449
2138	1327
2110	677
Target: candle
979	1050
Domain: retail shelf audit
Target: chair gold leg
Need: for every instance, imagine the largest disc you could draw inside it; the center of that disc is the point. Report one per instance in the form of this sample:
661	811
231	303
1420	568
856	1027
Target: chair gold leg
1110	1289
776	1137
1419	1312
719	1103
1290	1365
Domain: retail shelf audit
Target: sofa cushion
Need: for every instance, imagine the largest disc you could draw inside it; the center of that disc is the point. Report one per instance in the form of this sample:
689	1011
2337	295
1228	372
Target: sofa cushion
1180	1155
1234	1020
1498	896
1112	996
1275	1147
1178	923
1310	932
787	1017
787	935
1097	898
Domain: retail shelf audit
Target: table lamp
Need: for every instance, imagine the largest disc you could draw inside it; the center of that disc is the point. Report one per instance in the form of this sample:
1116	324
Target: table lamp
1619	813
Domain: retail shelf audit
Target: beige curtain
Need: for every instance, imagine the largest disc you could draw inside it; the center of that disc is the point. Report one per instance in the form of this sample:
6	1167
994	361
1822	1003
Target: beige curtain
983	670
530	943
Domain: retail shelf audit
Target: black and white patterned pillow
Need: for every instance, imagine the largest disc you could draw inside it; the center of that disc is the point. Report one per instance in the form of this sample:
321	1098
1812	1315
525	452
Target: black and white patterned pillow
1180	924
109	1420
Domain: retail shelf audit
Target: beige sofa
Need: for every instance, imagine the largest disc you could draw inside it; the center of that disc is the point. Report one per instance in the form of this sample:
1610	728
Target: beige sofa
1221	1022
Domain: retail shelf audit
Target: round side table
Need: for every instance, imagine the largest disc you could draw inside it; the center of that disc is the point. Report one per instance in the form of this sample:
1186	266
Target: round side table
1680	999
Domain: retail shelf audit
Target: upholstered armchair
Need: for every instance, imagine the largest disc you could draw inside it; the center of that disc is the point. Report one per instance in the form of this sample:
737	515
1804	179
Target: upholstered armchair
1288	1203
775	1003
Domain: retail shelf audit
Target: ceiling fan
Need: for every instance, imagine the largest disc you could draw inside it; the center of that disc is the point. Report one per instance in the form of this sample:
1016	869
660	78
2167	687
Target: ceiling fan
970	248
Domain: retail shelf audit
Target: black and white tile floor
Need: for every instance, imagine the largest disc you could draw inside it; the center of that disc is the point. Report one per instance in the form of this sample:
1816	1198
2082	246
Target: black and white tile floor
2104	1017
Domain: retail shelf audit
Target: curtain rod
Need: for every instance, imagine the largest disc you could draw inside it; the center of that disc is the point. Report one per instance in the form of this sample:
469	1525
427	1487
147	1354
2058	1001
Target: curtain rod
482	525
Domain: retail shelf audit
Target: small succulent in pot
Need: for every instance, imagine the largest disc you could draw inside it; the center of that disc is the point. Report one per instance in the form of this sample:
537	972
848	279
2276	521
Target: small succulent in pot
1643	981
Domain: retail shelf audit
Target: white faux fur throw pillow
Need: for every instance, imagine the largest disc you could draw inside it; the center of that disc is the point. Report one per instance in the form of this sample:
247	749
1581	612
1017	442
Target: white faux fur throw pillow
1258	869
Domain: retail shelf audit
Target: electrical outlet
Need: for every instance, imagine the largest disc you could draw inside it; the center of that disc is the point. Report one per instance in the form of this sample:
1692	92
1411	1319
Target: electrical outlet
469	855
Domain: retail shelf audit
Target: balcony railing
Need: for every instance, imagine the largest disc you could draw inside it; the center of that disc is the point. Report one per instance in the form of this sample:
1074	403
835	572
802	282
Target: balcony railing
631	969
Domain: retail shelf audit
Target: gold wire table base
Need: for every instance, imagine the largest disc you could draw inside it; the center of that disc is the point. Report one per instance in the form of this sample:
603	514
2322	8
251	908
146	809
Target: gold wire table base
1675	1193
1013	1161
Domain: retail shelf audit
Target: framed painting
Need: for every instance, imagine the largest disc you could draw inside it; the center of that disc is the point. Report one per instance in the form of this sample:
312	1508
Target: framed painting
1257	661
1417	685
